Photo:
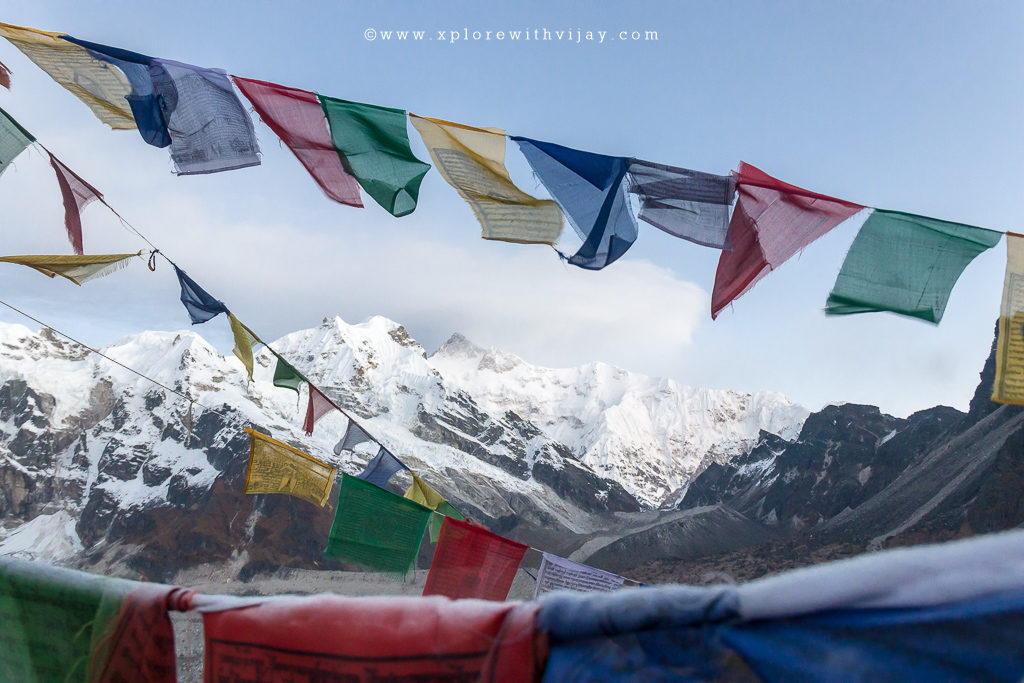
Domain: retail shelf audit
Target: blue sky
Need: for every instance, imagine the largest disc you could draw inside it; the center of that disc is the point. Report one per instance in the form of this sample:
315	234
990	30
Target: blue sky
914	106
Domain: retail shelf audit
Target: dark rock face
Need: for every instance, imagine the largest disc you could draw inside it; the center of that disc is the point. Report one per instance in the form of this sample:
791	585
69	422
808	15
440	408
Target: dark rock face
858	478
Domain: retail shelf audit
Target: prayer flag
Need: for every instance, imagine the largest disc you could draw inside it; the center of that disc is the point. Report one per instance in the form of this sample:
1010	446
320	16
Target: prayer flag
423	494
906	264
77	195
245	339
445	509
209	128
380	470
57	625
472	160
13	140
199	304
285	376
298	119
354	435
772	221
375	528
102	87
472	562
143	100
193	108
1009	382
276	467
319	405
5	76
76	268
558	573
684	203
374	146
591	190
398	639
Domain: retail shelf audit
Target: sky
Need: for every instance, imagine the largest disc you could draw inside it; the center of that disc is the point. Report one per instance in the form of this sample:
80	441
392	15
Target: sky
912	106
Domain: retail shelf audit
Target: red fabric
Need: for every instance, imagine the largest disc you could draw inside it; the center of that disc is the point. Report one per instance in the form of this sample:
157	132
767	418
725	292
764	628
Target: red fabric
141	645
319	405
298	119
772	221
327	637
5	76
77	195
472	562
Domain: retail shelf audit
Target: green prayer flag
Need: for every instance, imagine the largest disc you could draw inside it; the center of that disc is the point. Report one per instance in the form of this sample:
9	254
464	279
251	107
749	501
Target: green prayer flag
13	139
906	264
50	631
373	143
375	528
443	510
287	377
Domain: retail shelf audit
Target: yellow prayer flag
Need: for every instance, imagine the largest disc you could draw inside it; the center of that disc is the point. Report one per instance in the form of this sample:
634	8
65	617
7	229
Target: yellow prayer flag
245	339
1009	384
420	493
102	86
77	268
472	160
276	467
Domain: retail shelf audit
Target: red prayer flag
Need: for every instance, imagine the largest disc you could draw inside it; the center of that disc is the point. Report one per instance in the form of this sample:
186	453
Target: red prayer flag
328	637
472	562
319	405
5	76
298	119
772	221
77	195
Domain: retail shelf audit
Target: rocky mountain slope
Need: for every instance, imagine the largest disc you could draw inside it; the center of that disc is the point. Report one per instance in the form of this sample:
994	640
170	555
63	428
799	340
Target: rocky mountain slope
104	469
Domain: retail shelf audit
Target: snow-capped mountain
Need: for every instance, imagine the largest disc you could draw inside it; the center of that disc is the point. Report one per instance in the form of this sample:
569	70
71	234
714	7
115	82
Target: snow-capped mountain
97	459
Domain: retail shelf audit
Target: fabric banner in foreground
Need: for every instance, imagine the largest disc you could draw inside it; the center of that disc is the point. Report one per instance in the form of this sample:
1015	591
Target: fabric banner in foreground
200	305
328	637
245	340
77	194
297	118
472	160
102	87
276	467
687	204
57	625
591	190
375	528
772	221
558	573
13	140
354	435
1009	382
76	268
319	405
906	264
472	562
374	145
380	470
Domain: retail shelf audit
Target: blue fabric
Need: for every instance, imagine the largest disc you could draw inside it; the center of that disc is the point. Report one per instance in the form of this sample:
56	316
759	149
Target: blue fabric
380	470
592	192
144	102
690	633
659	634
199	304
977	639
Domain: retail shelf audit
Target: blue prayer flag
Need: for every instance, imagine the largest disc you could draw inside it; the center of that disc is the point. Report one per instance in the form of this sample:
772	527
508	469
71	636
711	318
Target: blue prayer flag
199	304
